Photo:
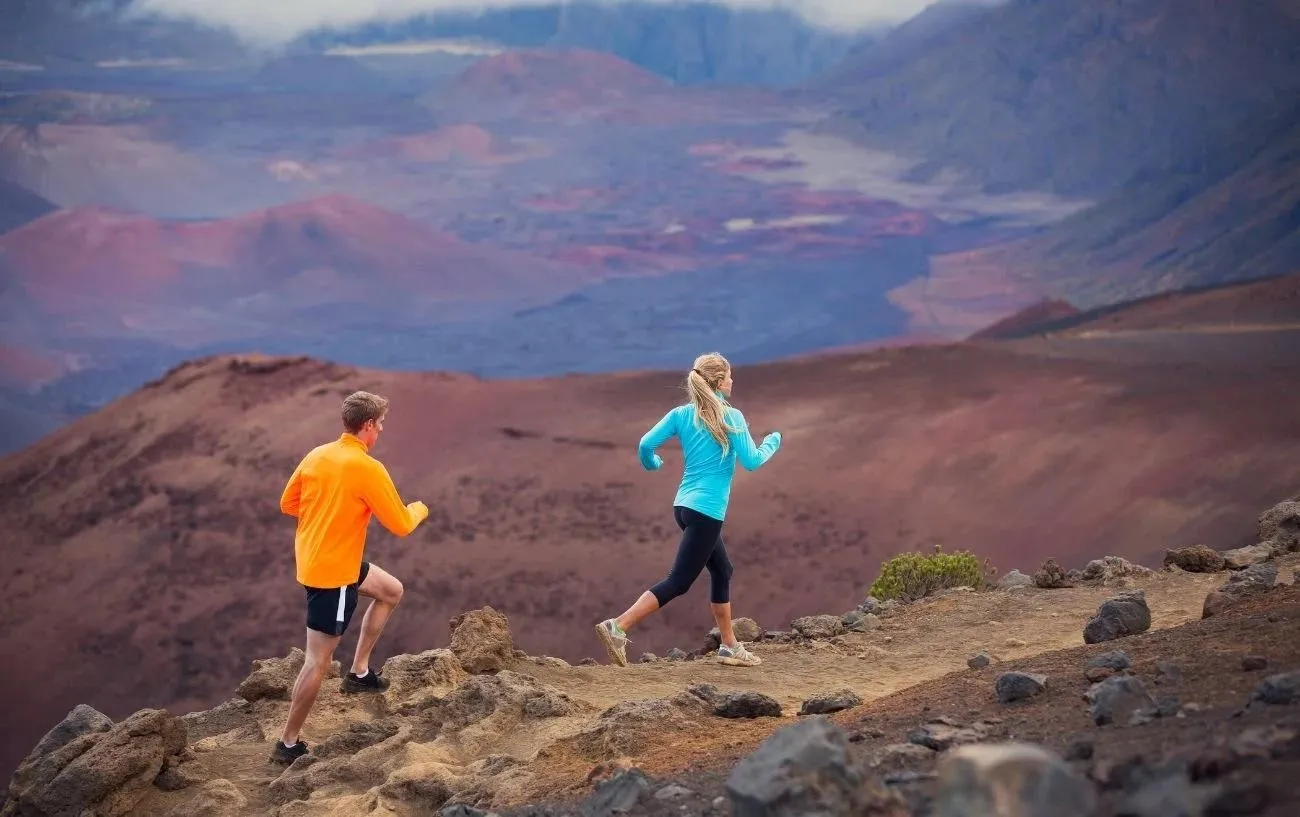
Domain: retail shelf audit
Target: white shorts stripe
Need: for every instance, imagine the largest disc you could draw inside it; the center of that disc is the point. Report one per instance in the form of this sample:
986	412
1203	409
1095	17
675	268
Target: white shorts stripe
343	599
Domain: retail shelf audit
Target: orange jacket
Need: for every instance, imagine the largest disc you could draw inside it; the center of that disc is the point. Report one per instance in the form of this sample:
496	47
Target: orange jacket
333	492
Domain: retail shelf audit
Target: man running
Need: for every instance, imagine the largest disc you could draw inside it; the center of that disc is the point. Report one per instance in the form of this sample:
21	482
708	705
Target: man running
333	492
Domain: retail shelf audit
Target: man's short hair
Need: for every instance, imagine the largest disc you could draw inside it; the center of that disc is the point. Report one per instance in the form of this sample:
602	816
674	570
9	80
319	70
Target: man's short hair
359	407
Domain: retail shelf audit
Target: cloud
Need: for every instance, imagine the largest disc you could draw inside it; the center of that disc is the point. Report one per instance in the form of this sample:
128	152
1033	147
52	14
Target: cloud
272	22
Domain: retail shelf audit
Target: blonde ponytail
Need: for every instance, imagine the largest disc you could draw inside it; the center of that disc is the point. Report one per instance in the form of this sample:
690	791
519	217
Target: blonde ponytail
702	384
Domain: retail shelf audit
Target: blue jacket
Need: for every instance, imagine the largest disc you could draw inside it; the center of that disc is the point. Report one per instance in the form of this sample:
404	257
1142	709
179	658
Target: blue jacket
706	476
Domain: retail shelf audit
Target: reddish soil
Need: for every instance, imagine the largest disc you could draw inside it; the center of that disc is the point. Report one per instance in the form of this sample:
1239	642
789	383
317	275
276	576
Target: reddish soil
162	506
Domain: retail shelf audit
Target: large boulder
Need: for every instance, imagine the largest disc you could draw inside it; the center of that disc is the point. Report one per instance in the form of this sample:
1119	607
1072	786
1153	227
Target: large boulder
1051	576
818	627
1279	527
1195	559
806	769
1010	780
417	681
1255	580
273	678
1123	615
1112	571
81	768
481	640
1242	557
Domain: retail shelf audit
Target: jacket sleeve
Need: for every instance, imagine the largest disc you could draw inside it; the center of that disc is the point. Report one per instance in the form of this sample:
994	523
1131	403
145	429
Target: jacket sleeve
655	437
380	495
292	494
751	457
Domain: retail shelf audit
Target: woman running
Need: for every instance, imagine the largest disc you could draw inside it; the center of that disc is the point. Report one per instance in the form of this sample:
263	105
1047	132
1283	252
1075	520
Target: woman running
713	436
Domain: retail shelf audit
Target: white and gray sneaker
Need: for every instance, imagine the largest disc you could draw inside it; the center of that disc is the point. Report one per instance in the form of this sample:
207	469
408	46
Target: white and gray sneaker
737	656
614	639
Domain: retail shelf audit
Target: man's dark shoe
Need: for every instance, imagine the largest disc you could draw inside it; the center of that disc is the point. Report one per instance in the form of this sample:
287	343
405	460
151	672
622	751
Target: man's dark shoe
288	754
370	682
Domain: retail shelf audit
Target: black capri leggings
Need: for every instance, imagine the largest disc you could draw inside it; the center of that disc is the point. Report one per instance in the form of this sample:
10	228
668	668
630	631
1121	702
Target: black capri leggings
701	547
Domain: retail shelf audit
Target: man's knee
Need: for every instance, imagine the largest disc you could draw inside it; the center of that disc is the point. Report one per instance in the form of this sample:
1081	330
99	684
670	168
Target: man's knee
382	586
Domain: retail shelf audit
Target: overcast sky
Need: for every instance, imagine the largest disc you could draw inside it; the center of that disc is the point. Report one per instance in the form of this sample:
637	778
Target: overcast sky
275	21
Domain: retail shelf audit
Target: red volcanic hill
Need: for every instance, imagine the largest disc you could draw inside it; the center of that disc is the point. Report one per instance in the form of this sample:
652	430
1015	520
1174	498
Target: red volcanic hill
586	74
332	248
144	544
547	82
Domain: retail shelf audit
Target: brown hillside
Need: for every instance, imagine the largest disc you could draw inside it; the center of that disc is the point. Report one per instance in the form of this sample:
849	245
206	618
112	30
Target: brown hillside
1264	305
144	542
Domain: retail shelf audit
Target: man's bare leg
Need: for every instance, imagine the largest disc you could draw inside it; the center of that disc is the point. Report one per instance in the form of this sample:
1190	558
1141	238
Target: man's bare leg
320	651
385	592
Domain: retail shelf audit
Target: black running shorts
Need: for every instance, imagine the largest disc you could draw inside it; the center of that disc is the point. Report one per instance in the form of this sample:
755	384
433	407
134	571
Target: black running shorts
329	611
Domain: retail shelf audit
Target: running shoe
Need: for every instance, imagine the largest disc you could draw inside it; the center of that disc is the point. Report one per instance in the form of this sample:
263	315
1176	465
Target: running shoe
737	656
614	639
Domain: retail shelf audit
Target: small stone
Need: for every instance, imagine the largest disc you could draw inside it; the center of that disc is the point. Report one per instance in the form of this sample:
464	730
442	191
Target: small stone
1117	699
648	658
870	605
1051	576
1266	742
860	622
676	654
1015	686
1014	642
830	702
979	660
1114	659
1096	674
942	736
1279	690
1079	750
1010	780
746	705
1014	578
673	792
1254	663
902	753
1117	617
719	803
620	793
1168	671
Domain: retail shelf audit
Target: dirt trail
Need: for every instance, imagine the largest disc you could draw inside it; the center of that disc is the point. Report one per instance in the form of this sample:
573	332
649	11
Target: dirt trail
552	756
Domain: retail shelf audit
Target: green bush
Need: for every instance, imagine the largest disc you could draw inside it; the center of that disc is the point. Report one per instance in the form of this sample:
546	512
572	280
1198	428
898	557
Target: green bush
911	576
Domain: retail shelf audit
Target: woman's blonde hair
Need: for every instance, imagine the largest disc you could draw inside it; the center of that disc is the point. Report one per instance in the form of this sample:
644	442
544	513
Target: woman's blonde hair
702	384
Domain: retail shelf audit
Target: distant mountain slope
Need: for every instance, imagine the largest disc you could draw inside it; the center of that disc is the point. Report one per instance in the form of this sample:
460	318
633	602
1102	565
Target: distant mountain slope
687	42
1072	96
1233	217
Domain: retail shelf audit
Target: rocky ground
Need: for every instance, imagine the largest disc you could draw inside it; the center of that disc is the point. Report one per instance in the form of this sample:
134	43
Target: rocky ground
1113	690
